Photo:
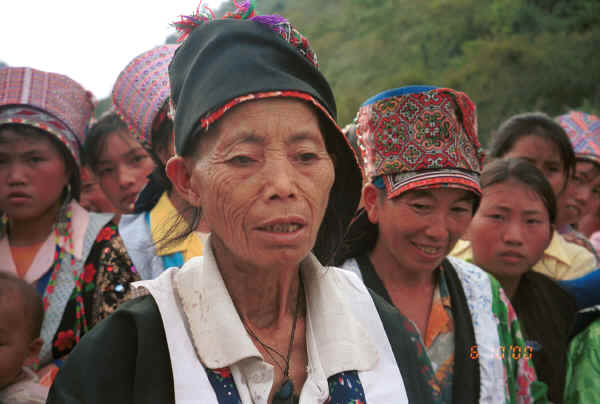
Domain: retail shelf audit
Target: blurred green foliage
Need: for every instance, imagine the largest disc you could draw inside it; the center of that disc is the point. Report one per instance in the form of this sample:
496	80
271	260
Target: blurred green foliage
510	56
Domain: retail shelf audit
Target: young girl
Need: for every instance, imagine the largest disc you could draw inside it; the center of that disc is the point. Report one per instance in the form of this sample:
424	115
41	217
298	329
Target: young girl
152	235
584	131
508	234
120	163
75	259
536	138
446	320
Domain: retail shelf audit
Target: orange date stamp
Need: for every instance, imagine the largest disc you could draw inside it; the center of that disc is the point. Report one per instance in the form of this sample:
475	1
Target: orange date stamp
515	352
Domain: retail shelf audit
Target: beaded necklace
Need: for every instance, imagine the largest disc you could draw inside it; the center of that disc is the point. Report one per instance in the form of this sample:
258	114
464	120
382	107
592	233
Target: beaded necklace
64	247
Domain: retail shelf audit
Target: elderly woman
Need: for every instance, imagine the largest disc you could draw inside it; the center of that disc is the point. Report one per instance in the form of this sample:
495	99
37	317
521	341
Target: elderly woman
454	333
258	318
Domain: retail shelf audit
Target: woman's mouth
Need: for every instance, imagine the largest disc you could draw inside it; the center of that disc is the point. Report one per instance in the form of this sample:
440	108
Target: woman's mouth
433	251
282	227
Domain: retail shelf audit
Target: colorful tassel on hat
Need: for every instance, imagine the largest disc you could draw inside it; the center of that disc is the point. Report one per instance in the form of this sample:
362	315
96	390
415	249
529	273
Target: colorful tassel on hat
187	23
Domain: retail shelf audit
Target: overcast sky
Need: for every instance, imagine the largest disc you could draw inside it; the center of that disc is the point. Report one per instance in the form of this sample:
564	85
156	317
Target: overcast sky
89	41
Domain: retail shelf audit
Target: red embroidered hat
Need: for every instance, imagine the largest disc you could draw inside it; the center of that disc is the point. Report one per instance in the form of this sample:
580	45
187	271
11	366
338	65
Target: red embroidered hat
49	101
142	90
420	137
584	131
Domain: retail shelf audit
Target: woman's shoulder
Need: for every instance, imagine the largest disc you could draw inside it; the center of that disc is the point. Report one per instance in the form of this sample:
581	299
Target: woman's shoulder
130	339
351	266
471	274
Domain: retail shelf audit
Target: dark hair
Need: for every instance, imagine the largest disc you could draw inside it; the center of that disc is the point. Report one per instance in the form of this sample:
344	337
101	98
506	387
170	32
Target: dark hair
33	305
503	170
360	238
109	122
70	164
350	133
536	124
546	313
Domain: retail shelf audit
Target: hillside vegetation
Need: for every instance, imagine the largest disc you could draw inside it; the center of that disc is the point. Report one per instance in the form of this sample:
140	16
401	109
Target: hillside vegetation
510	56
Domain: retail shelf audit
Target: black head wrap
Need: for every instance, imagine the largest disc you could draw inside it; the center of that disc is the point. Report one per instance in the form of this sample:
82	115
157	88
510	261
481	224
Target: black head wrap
225	59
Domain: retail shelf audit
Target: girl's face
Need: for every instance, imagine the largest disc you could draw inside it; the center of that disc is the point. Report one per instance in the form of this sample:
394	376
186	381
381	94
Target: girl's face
123	169
582	196
545	155
587	193
510	230
33	175
92	197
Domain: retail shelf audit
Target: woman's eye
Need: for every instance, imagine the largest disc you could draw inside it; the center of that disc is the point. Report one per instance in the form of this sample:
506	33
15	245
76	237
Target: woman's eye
495	216
35	159
421	206
241	160
307	157
553	169
104	171
138	159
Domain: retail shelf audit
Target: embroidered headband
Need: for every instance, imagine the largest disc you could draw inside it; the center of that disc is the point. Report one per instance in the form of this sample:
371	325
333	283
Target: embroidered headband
48	101
584	131
141	91
420	137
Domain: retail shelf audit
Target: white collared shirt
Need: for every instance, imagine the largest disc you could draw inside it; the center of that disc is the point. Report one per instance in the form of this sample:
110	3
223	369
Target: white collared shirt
336	340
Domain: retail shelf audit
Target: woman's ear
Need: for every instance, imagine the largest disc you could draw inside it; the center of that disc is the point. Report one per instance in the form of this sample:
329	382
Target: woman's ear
370	199
180	177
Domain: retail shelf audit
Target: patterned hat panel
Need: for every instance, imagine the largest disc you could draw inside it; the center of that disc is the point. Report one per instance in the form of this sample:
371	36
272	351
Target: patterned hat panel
584	131
49	100
142	89
405	133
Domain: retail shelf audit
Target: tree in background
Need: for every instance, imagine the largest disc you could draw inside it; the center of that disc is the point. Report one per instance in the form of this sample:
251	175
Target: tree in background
510	56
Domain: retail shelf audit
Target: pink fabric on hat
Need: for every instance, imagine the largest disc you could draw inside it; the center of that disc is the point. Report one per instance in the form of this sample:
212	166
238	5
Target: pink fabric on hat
584	131
52	93
142	89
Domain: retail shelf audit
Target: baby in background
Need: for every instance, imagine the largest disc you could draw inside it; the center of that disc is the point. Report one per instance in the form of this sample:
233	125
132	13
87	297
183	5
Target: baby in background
21	315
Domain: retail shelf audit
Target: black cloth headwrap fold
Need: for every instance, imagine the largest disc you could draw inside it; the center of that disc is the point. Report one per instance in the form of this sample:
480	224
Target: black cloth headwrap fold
224	59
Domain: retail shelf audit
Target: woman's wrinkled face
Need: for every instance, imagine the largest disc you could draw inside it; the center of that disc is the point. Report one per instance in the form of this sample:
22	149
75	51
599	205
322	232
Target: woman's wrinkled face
33	175
263	179
510	230
545	155
122	170
419	228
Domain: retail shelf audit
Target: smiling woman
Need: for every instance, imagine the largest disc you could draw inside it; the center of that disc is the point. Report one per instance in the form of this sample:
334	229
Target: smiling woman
258	318
422	160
